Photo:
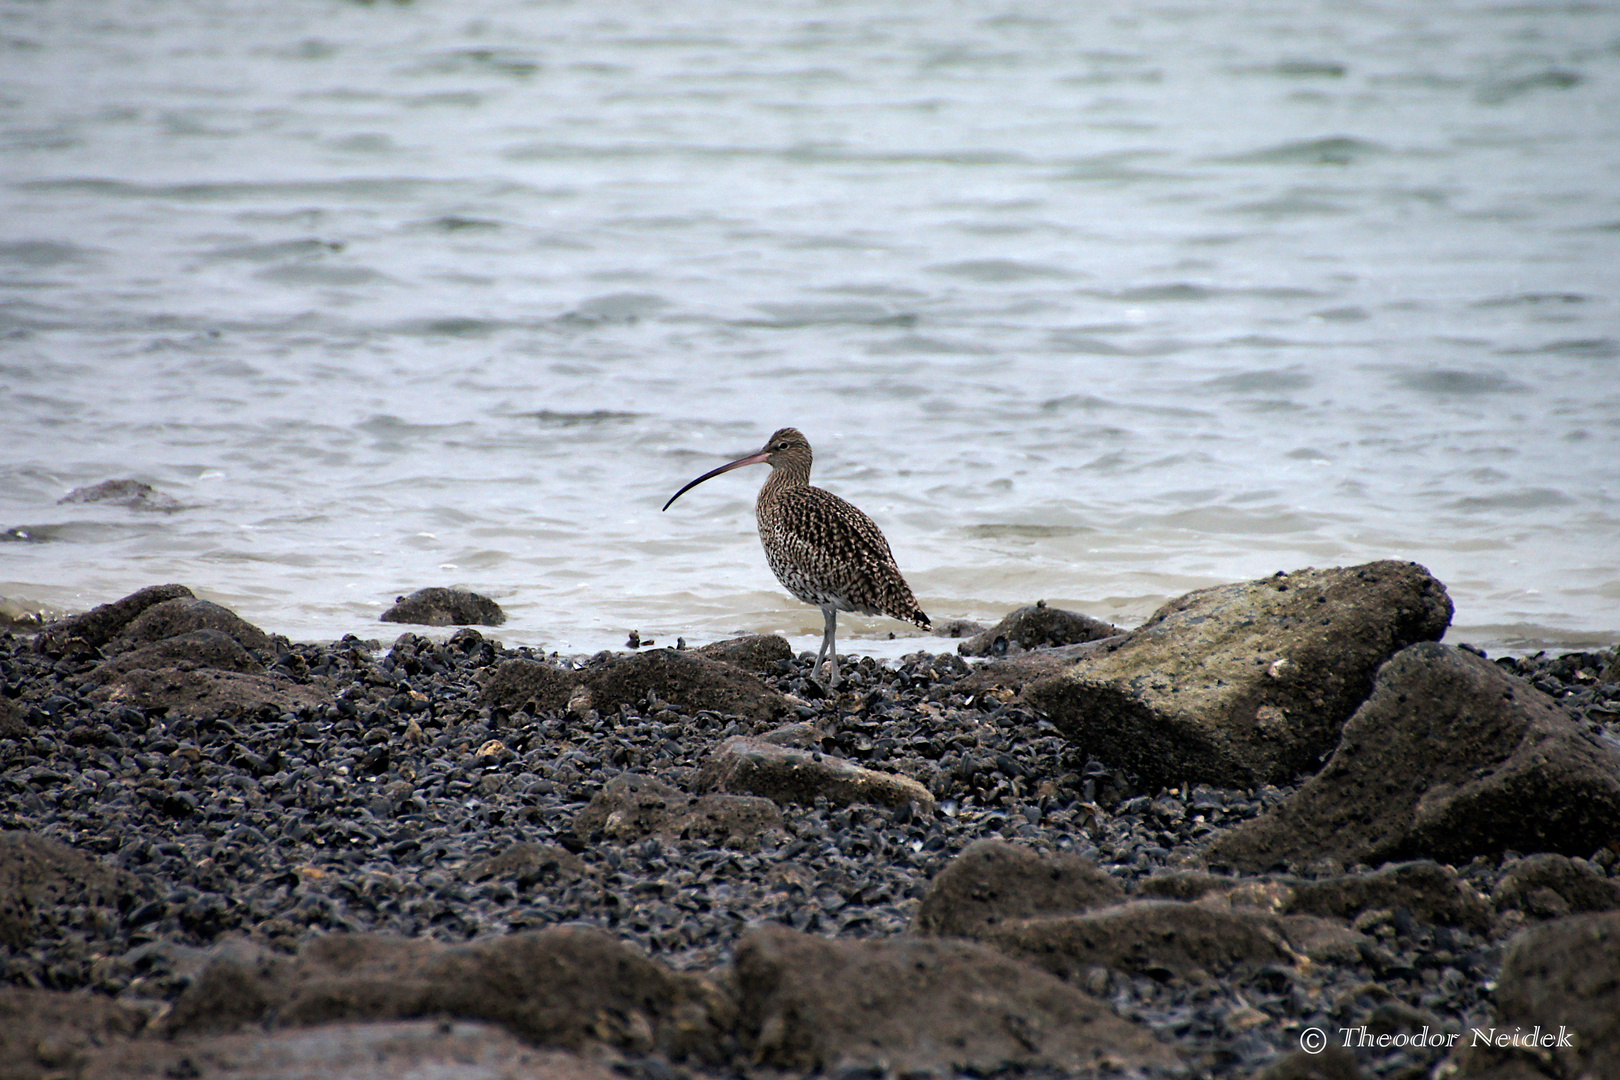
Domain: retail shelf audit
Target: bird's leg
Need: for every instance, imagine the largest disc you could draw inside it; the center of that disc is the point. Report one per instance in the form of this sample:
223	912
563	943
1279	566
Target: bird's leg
828	648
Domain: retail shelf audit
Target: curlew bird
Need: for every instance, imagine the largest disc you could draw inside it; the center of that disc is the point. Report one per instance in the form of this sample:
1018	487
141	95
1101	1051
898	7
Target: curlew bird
822	549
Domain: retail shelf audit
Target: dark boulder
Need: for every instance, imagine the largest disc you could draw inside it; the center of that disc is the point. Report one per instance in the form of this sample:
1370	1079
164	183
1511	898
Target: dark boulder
185	615
84	634
437	606
197	648
1243	684
203	693
1449	758
1036	627
46	1034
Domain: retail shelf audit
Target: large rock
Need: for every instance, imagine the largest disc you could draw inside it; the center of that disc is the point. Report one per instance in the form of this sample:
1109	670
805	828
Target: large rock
1243	684
1449	758
786	774
1036	627
920	1005
435	606
86	633
185	615
1558	979
685	680
563	986
198	648
992	881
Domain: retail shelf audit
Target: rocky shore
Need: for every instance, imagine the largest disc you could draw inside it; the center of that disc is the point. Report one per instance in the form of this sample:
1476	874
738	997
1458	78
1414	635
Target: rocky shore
1275	831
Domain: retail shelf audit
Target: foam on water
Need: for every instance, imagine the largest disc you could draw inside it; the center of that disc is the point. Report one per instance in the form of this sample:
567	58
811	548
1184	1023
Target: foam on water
1077	305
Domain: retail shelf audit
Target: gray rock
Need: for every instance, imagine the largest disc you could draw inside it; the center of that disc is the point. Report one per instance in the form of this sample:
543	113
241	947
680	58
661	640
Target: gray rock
1243	684
1036	627
785	774
920	1004
203	693
437	606
1449	758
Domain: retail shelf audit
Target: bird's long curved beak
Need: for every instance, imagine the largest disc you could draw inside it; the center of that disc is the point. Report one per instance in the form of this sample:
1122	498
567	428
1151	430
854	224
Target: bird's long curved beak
758	458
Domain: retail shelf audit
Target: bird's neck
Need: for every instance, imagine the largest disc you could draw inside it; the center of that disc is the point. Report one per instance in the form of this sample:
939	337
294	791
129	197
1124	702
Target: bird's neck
785	476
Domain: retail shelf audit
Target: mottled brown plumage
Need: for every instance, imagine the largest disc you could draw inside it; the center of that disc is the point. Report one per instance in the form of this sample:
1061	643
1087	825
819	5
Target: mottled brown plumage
822	549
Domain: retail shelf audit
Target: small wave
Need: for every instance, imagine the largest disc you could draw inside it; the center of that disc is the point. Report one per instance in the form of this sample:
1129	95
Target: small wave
41	254
563	418
1333	150
1500	91
277	250
840	313
1535	498
997	270
1459	383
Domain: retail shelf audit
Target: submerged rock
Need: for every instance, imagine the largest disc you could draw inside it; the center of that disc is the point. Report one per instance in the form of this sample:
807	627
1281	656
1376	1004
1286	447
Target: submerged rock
1244	684
1449	758
435	606
133	494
